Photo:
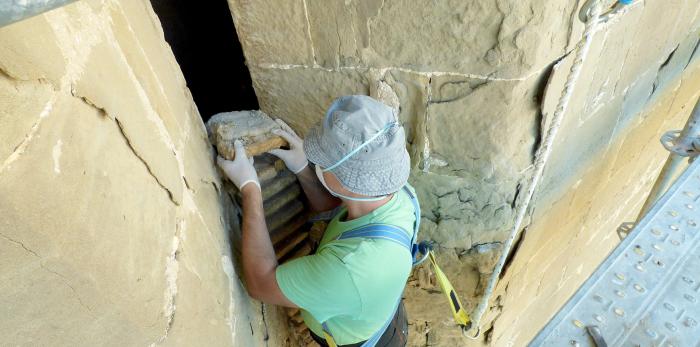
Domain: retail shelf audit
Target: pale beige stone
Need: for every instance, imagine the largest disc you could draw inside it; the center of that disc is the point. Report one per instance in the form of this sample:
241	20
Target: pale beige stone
286	41
309	91
25	48
114	231
117	226
477	89
252	128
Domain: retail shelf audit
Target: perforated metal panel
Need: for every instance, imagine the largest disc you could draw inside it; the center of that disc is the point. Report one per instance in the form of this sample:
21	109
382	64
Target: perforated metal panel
646	292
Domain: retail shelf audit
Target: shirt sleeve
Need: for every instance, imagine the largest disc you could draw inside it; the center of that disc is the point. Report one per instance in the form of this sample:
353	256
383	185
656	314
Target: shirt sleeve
319	284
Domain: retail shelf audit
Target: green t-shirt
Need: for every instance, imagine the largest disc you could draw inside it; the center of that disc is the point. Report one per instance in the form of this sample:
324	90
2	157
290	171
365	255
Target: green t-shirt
351	284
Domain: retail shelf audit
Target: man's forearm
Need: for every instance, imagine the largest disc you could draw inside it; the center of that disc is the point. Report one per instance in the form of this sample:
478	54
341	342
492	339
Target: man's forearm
319	198
259	260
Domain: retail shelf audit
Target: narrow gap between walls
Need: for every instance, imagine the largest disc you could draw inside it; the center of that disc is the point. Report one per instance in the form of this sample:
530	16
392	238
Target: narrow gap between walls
206	46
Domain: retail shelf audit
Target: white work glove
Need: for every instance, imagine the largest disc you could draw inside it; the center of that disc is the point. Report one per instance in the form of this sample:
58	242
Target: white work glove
294	157
240	170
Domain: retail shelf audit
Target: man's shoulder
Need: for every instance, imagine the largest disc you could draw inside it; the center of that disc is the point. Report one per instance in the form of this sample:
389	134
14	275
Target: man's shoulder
401	213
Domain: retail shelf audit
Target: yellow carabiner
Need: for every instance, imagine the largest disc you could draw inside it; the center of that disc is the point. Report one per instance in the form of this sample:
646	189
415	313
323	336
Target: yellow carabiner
460	315
329	340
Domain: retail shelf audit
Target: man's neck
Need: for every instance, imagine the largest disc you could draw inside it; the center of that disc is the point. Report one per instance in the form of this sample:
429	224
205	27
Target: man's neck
357	209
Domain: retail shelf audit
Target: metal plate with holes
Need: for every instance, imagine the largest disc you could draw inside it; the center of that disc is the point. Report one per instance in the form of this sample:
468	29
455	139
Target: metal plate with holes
647	292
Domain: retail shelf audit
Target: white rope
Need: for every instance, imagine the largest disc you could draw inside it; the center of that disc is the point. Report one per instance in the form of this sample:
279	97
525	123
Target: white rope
540	159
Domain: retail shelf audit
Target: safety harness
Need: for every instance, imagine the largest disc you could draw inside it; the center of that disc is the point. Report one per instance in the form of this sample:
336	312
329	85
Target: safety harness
419	253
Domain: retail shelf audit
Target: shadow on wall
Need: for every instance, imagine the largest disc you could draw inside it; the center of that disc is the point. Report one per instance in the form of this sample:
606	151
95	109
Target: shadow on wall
204	42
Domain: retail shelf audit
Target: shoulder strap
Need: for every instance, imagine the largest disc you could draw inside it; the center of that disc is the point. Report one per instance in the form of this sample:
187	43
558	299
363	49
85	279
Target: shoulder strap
380	231
416	211
388	231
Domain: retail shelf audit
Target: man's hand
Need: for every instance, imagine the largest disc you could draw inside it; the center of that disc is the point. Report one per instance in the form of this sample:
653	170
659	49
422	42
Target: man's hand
294	158
240	170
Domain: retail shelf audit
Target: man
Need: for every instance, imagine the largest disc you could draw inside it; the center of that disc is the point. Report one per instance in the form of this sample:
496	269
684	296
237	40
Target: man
349	288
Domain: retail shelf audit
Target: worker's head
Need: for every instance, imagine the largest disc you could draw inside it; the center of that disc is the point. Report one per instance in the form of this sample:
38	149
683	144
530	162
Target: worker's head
359	148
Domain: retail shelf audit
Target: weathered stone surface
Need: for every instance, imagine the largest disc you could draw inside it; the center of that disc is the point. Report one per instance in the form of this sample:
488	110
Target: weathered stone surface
252	128
461	211
413	91
136	119
67	223
312	90
286	40
610	97
576	231
23	44
114	230
481	126
496	38
477	89
167	92
17	118
485	38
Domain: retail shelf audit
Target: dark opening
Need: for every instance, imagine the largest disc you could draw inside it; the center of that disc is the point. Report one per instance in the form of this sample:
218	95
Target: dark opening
205	44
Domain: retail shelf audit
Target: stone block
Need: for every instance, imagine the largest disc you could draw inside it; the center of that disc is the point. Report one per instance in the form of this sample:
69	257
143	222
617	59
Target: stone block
273	32
301	96
252	128
502	39
136	119
24	105
94	209
459	212
480	126
25	46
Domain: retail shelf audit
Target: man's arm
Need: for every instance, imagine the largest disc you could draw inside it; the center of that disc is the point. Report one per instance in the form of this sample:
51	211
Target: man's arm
259	260
319	198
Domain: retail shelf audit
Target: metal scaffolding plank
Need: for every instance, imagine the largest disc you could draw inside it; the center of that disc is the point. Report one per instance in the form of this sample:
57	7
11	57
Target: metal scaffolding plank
646	292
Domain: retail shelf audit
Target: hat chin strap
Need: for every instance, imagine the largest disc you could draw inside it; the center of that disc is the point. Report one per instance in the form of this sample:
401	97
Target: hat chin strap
319	173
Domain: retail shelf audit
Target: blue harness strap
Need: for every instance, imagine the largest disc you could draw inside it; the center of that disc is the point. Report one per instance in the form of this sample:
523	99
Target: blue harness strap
392	232
395	234
380	231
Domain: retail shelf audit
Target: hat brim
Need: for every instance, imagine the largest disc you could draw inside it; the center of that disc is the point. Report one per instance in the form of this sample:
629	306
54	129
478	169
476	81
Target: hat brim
314	150
366	177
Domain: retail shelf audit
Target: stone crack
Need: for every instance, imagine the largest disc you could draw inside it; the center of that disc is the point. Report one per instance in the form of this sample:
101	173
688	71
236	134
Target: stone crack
150	171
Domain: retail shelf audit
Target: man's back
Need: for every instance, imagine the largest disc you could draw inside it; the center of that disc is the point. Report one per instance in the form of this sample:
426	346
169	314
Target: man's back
352	284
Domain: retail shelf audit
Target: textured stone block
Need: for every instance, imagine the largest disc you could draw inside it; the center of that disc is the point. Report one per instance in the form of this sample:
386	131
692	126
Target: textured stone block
461	211
25	46
137	119
23	105
485	38
252	128
301	96
482	127
285	38
111	177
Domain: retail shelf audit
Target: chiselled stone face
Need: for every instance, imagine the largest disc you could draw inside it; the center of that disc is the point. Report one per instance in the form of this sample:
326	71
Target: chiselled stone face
114	225
115	228
252	128
477	83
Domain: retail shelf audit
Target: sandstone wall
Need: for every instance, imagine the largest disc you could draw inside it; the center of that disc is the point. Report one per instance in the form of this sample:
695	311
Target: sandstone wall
572	234
477	82
112	228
